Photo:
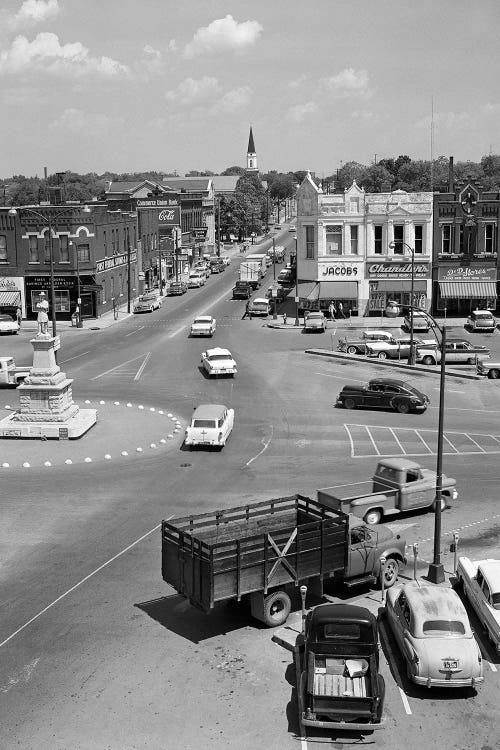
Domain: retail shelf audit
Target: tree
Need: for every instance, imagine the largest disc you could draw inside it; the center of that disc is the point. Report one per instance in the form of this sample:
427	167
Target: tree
233	171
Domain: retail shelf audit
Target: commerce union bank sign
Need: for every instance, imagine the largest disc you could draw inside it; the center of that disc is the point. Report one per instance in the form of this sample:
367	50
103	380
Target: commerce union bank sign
397	270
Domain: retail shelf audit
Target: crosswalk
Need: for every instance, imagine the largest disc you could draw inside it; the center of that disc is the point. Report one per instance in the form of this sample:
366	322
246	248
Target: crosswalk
372	440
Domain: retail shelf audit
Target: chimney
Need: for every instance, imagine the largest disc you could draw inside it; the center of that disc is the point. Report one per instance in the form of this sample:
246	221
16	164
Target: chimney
451	176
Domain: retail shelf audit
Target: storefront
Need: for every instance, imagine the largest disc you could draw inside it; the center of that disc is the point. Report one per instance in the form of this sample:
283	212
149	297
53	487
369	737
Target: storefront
12	295
460	289
338	282
392	281
65	294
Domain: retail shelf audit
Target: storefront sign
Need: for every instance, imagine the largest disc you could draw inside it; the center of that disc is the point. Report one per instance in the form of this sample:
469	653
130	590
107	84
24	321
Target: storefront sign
339	271
467	273
397	270
169	216
116	260
199	232
8	284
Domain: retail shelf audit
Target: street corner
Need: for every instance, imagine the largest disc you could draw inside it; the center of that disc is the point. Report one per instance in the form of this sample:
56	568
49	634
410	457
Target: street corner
124	431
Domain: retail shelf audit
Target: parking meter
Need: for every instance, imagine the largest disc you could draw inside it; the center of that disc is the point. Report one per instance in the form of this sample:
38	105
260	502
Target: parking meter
303	592
415	556
382	576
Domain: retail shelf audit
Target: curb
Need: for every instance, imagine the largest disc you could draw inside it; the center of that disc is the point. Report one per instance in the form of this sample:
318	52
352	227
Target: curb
392	363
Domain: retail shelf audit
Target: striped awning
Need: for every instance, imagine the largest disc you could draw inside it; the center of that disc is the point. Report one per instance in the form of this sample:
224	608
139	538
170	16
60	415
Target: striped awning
10	299
468	289
308	290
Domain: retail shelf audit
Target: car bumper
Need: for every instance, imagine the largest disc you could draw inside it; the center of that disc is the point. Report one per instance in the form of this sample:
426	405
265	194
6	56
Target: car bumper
223	371
201	333
453	683
354	726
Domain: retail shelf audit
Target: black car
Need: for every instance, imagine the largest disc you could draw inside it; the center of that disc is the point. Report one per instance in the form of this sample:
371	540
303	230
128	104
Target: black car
176	287
242	290
383	393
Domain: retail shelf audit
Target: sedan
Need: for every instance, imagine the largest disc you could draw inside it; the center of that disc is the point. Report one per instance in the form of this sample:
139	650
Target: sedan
8	324
383	393
481	320
148	302
176	288
480	580
211	424
218	362
395	348
196	279
315	321
433	633
457	351
204	325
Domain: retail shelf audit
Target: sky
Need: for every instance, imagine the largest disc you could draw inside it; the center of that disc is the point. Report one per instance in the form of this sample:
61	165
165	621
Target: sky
136	85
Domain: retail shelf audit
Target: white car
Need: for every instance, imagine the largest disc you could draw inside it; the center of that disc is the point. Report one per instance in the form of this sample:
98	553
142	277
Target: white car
259	306
314	321
218	362
196	278
211	424
490	369
8	324
481	320
420	322
480	580
204	325
395	348
226	260
148	302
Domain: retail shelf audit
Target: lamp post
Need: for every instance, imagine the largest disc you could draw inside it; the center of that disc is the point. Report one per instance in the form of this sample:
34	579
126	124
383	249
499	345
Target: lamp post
436	568
411	355
296	286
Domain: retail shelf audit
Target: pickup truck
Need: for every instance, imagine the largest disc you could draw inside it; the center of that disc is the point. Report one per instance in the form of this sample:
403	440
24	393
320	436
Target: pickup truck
338	680
257	552
10	375
397	485
358	346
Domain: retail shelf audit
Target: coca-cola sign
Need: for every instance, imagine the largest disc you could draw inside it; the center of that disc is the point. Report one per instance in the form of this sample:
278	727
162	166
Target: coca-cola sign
399	270
169	216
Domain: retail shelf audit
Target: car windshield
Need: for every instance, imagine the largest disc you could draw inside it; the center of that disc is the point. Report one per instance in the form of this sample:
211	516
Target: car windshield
204	423
6	318
495	601
149	295
201	321
260	304
218	357
443	628
316	315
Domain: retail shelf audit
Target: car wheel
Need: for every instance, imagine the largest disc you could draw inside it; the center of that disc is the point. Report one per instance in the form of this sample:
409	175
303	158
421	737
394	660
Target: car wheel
494	374
373	516
443	504
428	361
391	572
352	350
277	607
151	309
402	407
349	403
382	355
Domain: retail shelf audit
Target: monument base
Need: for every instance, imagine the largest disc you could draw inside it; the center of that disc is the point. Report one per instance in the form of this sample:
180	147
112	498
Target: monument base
72	428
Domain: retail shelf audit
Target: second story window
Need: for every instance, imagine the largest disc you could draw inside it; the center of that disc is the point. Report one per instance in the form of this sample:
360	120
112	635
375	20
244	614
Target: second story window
64	249
33	249
354	239
309	242
446	246
489	238
398	239
3	247
419	239
334	240
354	203
83	253
104	242
378	239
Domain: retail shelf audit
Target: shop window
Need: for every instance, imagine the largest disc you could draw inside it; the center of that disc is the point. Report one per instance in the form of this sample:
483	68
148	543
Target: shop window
354	239
309	242
334	240
3	247
419	239
378	239
33	249
489	238
83	253
446	246
61	299
64	248
399	233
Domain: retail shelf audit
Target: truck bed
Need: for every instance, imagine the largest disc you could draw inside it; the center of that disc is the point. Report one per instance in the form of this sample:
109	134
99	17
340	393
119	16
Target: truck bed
329	677
227	554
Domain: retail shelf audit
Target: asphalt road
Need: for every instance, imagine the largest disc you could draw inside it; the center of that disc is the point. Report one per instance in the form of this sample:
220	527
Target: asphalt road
97	652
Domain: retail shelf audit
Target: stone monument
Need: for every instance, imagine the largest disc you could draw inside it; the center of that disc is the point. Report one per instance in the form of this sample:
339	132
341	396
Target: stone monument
46	406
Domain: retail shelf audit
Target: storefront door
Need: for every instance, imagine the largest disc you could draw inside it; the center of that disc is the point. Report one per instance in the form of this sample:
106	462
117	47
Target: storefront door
88	307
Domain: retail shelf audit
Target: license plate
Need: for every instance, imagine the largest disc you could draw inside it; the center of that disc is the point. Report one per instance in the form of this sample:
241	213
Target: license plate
449	664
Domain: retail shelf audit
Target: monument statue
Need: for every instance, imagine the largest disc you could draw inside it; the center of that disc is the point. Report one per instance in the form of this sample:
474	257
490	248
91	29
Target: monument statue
42	318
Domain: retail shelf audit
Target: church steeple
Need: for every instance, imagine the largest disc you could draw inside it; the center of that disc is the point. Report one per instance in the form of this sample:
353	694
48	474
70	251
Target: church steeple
251	155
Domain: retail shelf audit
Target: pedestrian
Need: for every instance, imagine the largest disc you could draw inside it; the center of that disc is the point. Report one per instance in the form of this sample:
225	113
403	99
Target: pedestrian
284	319
247	309
331	310
340	310
19	316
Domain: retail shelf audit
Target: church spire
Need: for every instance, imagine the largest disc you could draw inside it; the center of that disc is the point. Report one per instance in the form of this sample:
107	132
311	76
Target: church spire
251	155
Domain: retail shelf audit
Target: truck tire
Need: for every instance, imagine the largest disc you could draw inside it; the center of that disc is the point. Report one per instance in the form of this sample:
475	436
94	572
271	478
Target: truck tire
349	403
494	373
277	607
373	516
351	350
391	573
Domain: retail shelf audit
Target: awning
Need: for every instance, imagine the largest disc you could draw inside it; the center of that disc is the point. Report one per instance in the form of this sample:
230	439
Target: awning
92	288
401	285
10	299
308	290
468	289
338	290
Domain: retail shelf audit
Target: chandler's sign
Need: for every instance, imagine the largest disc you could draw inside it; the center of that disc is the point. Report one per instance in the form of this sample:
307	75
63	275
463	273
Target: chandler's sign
397	270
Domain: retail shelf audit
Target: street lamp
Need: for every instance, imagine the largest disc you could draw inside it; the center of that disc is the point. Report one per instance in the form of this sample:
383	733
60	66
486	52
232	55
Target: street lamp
296	286
436	568
392	245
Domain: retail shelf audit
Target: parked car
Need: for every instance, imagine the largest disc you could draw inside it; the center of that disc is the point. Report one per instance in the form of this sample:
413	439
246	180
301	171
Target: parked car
480	582
481	320
490	369
226	260
203	325
8	324
176	288
218	362
383	393
433	633
217	265
211	424
242	290
420	322
280	293
202	266
398	348
277	226
291	228
286	276
148	302
259	306
196	279
458	351
358	346
314	321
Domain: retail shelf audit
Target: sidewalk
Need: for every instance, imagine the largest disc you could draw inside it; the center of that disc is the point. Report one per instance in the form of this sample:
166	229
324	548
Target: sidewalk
360	323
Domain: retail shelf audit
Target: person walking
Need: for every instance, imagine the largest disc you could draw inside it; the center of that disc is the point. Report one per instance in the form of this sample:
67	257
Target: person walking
247	310
340	310
331	310
284	319
19	316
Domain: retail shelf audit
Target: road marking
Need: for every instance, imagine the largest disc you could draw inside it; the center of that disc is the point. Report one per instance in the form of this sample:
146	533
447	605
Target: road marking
141	368
338	377
417	432
201	311
266	443
83	580
397	440
135	331
118	367
373	441
75	357
392	663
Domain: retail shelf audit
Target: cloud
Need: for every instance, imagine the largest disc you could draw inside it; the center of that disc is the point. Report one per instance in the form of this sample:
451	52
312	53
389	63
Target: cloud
223	35
151	62
192	91
77	121
299	112
297	82
46	54
448	120
36	11
363	114
232	100
348	82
